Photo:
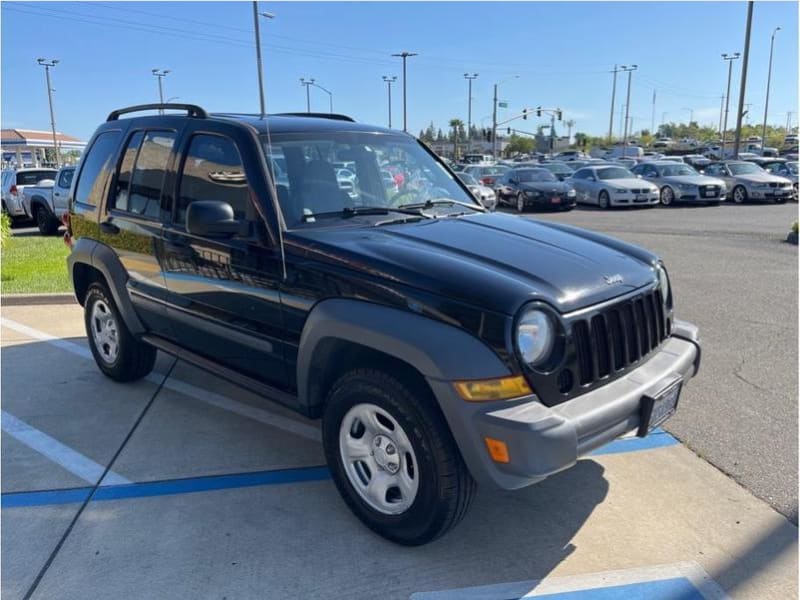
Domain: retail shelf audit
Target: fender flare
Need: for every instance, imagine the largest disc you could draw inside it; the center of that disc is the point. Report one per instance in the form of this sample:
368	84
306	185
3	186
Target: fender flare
101	257
29	205
438	351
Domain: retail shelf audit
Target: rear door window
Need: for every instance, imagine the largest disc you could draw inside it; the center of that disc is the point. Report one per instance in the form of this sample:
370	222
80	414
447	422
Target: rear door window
34	177
141	173
97	165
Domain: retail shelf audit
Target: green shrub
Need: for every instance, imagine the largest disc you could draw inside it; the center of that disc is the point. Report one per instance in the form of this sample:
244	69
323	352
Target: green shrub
5	229
794	227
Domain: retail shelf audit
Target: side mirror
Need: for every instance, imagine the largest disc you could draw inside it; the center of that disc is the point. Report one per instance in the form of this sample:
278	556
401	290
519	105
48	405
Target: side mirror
211	218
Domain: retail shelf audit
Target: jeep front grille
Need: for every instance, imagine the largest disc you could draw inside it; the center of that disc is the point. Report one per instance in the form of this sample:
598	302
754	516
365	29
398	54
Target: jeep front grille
616	337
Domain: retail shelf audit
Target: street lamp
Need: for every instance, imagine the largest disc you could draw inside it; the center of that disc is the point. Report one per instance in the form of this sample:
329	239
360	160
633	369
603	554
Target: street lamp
47	63
630	71
404	55
389	81
691	115
308	83
494	115
769	78
469	78
266	15
160	74
729	58
330	95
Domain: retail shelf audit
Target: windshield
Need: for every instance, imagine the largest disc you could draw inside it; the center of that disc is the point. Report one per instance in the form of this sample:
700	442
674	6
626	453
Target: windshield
526	175
676	170
792	166
496	170
467	178
744	168
557	168
311	179
614	173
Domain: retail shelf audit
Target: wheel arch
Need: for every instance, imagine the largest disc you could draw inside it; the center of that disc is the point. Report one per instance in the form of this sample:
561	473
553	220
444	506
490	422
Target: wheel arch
341	334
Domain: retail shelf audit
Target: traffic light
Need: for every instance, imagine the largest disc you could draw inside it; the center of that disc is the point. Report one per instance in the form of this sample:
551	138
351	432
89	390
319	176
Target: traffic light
487	134
508	130
558	114
524	113
539	111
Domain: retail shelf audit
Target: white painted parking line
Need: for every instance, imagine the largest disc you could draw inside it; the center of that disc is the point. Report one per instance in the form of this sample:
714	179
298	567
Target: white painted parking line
240	408
74	462
685	580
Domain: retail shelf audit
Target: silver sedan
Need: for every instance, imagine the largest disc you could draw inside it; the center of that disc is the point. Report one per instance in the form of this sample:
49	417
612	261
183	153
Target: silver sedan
681	183
610	185
750	182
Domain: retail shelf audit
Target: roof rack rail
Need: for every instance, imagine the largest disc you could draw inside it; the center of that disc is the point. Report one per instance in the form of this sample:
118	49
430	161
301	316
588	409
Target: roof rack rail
192	109
334	116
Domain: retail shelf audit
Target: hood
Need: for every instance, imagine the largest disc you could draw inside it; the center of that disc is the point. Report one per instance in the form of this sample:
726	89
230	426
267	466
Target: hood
557	187
694	180
761	178
628	183
492	260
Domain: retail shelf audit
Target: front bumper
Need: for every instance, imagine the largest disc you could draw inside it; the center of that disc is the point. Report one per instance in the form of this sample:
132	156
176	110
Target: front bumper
770	193
550	201
628	199
544	440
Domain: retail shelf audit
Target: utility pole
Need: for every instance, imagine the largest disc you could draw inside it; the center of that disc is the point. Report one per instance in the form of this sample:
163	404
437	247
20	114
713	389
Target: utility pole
494	116
404	55
743	84
721	109
769	78
308	83
258	55
621	120
330	95
613	99
47	63
653	118
160	74
469	78
730	58
629	71
788	122
389	81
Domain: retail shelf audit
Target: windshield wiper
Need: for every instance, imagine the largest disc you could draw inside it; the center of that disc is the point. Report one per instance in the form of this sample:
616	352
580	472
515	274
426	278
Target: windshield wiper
353	211
442	202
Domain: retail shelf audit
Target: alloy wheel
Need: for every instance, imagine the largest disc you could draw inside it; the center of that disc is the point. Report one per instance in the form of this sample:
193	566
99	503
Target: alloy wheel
105	332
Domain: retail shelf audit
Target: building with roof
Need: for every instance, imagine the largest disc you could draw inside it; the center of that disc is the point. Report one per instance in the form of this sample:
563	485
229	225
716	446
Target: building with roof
26	147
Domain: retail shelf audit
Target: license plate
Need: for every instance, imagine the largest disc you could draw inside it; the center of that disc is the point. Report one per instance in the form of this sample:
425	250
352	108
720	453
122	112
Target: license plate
709	193
555	200
654	410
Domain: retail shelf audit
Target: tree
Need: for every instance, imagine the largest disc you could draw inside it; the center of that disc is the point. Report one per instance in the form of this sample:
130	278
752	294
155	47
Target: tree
457	126
440	136
520	145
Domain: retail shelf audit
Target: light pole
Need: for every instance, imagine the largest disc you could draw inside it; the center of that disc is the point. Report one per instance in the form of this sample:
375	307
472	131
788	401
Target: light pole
769	78
160	74
330	95
308	83
730	58
47	63
613	99
691	115
494	116
663	119
743	82
389	81
258	54
629	71
404	55
469	78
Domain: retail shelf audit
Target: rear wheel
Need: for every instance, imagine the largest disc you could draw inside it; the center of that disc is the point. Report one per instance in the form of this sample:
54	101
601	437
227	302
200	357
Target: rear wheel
116	351
520	203
46	223
393	458
603	200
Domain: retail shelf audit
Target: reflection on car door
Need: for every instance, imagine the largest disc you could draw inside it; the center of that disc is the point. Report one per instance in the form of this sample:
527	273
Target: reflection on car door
224	298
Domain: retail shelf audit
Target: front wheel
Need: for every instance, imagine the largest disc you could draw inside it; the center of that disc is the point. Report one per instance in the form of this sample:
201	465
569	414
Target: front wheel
393	458
603	200
119	355
667	196
739	194
520	203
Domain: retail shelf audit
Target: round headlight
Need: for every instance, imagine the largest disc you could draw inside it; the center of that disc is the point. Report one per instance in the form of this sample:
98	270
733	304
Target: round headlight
663	284
535	337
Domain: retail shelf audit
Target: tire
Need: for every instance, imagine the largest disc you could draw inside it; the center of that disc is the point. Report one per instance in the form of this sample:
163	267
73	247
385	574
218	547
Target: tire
372	405
739	194
117	353
667	196
603	200
46	223
520	203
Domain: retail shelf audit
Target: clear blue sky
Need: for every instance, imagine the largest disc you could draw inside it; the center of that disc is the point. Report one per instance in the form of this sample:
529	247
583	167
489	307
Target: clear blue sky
562	52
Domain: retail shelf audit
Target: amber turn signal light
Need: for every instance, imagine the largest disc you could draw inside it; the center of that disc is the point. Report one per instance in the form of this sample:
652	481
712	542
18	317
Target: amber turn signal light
481	390
497	450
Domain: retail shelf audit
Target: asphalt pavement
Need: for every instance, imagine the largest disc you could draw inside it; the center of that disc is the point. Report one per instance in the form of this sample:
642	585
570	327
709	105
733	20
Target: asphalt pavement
735	277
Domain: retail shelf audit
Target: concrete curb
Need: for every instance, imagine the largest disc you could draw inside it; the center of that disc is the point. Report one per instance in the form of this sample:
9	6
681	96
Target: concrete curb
792	238
36	299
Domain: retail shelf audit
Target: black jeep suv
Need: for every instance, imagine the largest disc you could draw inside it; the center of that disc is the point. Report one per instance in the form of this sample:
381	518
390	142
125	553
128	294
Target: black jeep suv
441	345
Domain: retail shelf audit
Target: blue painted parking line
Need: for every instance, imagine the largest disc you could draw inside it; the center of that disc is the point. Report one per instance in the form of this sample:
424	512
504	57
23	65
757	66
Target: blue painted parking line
658	438
165	488
679	588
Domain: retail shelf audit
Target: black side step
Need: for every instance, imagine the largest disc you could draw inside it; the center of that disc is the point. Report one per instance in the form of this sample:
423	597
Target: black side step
262	389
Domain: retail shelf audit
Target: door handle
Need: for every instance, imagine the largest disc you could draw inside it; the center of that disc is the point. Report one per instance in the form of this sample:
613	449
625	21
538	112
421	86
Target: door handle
56	194
109	228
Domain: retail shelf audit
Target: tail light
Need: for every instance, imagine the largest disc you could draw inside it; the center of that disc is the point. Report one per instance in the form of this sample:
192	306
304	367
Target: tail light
487	180
65	220
13	190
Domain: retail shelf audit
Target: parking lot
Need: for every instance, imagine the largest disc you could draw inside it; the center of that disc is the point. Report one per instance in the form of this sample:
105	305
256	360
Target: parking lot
185	486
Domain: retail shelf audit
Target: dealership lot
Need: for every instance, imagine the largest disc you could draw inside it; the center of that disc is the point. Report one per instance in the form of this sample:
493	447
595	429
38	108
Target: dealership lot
185	486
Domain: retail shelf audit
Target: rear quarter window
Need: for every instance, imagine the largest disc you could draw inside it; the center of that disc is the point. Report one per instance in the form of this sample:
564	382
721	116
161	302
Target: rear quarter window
34	177
97	165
